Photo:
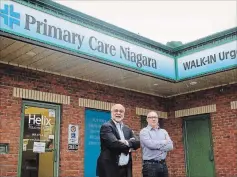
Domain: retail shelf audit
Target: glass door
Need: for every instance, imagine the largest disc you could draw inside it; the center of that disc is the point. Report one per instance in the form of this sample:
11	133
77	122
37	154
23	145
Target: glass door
39	150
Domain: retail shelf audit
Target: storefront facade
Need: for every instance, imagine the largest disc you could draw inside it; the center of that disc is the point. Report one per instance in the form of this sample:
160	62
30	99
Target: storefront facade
62	70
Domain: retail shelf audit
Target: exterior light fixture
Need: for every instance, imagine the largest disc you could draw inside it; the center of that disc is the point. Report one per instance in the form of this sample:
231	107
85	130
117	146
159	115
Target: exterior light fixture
30	53
193	83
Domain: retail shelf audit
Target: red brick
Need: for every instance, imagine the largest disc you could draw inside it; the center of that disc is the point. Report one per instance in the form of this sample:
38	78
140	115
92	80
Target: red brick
224	121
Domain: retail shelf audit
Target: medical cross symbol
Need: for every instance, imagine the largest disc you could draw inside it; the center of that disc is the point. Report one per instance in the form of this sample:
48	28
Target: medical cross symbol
9	16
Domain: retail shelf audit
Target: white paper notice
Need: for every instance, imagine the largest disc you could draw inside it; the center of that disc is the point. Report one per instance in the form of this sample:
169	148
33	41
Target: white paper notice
51	113
24	147
39	147
51	137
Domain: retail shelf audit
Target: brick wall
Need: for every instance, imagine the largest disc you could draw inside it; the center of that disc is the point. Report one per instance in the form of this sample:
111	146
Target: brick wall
223	121
71	163
10	117
224	129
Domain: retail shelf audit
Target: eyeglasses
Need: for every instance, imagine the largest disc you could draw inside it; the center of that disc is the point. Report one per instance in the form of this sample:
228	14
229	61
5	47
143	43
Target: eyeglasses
152	117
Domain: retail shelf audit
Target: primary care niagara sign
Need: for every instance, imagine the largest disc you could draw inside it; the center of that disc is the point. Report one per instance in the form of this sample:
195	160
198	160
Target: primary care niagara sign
28	22
209	60
31	23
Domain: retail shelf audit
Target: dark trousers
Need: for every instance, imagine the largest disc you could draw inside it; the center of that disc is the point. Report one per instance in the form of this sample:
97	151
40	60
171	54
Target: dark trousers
123	172
155	169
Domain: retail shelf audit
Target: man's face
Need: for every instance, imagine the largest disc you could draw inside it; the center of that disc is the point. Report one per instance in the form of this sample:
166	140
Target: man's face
117	112
152	119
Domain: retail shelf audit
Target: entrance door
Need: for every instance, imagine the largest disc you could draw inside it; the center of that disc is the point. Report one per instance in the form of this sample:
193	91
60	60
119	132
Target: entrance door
198	146
39	140
93	121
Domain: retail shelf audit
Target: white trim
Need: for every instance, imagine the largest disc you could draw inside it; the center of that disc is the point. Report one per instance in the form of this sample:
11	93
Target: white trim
195	111
144	112
95	104
40	96
233	105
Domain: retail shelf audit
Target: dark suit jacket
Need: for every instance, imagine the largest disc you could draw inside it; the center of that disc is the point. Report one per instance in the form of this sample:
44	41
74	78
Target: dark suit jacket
111	148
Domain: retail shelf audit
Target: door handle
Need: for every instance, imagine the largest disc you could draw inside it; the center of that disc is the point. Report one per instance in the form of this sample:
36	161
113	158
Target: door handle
211	157
55	155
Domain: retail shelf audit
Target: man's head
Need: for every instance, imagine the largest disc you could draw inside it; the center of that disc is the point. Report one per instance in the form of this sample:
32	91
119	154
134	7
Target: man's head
117	112
152	119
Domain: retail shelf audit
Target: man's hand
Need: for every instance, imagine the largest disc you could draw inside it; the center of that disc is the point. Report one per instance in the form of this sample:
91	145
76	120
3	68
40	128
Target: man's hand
124	141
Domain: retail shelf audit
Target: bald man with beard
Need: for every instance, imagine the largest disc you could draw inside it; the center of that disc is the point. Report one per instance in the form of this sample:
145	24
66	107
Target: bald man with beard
117	140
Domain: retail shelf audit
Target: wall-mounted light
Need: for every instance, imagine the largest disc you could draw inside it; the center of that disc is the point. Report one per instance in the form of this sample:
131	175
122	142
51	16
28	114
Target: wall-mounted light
193	83
30	53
